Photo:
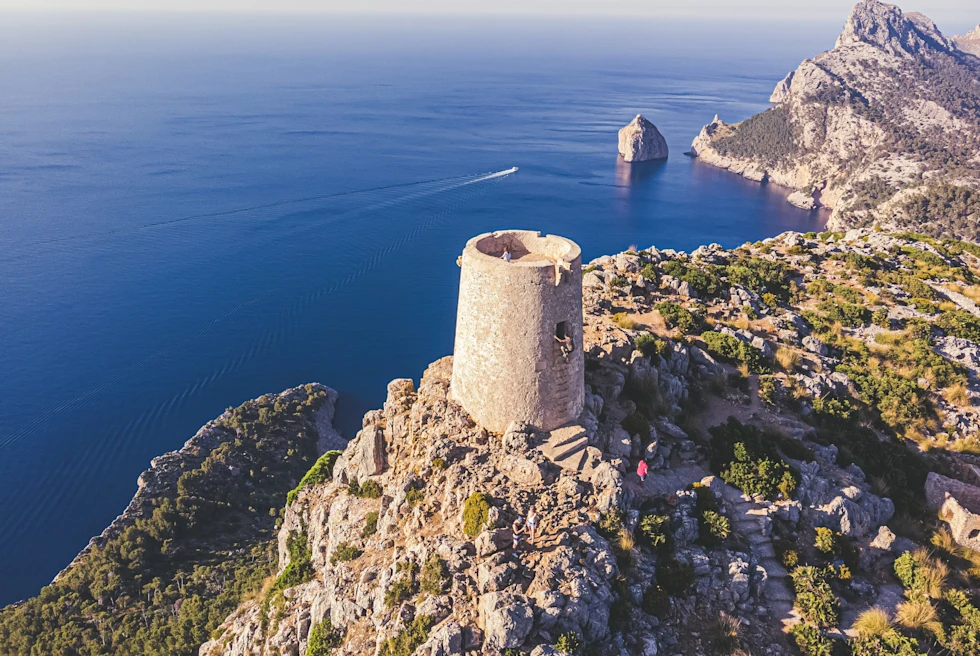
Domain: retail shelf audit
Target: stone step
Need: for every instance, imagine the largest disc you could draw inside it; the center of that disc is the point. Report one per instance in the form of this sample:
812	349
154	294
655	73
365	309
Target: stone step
764	551
779	592
774	569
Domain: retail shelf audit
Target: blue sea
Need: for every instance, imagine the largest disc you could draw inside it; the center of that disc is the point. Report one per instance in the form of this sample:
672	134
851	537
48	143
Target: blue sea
196	210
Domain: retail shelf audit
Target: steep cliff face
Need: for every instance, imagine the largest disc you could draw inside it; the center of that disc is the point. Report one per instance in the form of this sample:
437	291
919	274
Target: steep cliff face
969	42
879	129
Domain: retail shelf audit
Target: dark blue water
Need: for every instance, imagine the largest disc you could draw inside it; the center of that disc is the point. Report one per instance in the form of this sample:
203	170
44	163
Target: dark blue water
136	303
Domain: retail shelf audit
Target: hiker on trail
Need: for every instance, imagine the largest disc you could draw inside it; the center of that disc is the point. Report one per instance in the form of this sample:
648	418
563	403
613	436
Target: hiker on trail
641	470
532	525
566	345
517	529
506	255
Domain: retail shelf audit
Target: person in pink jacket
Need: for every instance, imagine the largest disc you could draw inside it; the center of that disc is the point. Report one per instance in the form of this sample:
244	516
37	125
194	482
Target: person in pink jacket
641	470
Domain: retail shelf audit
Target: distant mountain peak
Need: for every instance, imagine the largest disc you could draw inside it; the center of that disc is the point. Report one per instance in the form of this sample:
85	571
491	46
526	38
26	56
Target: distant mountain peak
887	27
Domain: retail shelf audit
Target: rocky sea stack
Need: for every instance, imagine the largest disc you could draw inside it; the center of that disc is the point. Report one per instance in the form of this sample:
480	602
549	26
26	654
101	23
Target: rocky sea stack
641	141
883	129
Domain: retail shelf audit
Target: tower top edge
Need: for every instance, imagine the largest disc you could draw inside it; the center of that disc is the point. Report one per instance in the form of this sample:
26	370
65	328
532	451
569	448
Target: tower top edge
528	248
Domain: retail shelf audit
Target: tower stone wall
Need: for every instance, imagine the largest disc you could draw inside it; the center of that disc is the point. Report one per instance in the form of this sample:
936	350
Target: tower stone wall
507	365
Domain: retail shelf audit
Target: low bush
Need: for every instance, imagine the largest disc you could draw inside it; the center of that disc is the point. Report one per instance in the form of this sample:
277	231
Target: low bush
368	490
414	497
718	526
743	458
323	638
404	587
960	323
811	641
344	552
891	643
568	643
654	530
767	389
825	540
476	512
814	597
434	575
676	316
322	470
705	281
847	314
300	566
408	639
656	601
370	524
650	345
734	350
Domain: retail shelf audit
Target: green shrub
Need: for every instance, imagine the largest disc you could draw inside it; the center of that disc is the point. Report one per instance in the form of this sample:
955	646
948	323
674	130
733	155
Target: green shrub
814	597
960	323
434	575
636	424
653	530
743	458
568	643
676	316
704	281
439	464
762	276
649	273
322	470
811	641
404	587
719	527
344	552
369	490
649	345
890	643
610	524
408	639
730	349
907	571
880	318
619	281
675	577
847	314
323	638
825	540
370	524
414	497
767	389
476	512
300	566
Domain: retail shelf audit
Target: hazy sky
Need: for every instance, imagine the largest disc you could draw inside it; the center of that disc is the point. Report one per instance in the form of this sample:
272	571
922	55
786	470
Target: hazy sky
952	12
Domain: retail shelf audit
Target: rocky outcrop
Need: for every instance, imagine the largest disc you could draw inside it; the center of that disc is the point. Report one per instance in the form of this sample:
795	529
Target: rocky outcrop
969	42
851	128
641	141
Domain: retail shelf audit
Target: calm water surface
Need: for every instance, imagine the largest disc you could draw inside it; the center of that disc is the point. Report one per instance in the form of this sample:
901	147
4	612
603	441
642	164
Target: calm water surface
196	211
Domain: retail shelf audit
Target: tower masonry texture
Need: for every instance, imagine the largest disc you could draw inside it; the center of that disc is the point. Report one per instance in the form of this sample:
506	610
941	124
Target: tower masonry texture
507	364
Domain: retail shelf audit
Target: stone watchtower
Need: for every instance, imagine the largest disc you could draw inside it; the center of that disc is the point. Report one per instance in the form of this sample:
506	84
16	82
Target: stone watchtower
507	363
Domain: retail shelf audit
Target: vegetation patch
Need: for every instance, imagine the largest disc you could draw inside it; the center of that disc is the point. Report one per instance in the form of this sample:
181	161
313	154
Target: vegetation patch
733	350
745	459
476	512
321	471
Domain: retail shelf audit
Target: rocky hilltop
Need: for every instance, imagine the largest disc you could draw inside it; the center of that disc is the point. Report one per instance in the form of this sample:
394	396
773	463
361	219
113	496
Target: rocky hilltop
805	406
969	42
882	129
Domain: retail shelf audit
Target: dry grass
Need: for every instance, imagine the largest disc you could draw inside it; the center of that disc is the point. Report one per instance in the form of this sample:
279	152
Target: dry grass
965	445
743	369
788	359
918	614
872	622
625	540
741	323
933	573
958	395
624	321
944	542
947	306
725	634
870	298
880	486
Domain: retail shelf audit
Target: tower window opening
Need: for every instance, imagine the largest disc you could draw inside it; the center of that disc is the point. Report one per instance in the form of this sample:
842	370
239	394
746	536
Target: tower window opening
561	330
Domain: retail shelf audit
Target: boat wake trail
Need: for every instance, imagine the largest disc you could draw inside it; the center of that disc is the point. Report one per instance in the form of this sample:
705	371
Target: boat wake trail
448	193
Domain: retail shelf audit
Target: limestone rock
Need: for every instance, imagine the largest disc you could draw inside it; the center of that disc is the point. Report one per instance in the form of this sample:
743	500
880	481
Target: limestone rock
641	141
506	619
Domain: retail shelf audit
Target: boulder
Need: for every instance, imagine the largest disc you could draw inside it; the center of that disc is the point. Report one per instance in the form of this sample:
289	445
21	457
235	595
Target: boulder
641	141
506	620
